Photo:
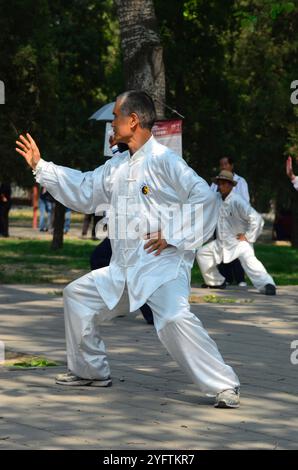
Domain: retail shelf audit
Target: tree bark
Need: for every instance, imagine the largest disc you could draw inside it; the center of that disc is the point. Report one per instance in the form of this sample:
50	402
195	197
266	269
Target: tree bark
58	232
142	50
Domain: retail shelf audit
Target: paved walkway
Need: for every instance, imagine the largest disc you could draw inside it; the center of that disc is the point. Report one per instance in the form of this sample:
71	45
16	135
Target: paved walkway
151	404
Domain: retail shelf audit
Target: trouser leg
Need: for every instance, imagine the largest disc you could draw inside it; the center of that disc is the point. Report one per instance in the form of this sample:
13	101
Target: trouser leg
238	271
147	313
208	266
101	256
42	212
84	310
186	340
4	224
49	209
254	269
226	270
86	222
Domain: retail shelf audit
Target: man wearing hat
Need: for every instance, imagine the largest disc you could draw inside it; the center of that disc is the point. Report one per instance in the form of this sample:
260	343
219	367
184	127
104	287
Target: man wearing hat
238	227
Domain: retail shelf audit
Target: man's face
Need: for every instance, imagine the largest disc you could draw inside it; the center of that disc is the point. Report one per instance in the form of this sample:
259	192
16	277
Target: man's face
225	165
224	187
122	125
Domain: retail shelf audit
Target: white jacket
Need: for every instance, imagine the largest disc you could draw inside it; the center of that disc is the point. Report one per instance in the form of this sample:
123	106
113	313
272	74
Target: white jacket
235	216
169	180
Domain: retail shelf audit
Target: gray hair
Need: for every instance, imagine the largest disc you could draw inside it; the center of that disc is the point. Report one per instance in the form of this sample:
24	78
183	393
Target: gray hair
139	102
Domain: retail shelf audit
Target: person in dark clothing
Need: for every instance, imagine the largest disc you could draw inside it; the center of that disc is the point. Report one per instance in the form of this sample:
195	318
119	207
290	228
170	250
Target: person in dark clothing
88	218
5	205
100	258
46	210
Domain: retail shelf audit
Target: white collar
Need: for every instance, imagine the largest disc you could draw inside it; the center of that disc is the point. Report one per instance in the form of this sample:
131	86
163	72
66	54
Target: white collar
144	150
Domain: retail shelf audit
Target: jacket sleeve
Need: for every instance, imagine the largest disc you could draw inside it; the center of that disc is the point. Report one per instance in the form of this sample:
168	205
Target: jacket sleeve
244	190
198	209
253	219
82	192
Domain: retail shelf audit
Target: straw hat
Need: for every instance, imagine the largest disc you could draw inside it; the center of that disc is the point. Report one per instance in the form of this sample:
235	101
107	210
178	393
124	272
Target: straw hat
225	175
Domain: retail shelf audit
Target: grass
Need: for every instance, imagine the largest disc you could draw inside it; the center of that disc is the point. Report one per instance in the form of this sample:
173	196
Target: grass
33	262
23	216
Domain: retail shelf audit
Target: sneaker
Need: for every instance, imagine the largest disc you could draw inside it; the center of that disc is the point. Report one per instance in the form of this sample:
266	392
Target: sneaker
221	286
228	398
101	383
242	284
270	289
73	380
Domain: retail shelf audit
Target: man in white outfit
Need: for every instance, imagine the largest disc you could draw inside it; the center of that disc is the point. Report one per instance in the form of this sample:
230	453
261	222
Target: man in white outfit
155	270
241	188
238	227
233	271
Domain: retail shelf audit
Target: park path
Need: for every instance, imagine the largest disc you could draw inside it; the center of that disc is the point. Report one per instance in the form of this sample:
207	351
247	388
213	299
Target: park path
152	404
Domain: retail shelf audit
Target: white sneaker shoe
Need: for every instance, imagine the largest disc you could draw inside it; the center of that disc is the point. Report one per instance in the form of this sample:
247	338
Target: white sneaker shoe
228	399
242	284
73	380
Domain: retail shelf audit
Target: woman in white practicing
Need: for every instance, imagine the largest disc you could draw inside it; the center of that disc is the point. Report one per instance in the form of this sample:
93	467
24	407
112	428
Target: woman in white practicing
238	227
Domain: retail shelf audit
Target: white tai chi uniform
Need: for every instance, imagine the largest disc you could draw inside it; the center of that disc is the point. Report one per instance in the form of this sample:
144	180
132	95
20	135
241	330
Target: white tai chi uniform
135	277
241	187
235	216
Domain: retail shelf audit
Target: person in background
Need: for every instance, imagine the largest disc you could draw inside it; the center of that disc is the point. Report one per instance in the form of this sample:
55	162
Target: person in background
5	205
238	227
233	271
88	218
67	220
46	202
290	173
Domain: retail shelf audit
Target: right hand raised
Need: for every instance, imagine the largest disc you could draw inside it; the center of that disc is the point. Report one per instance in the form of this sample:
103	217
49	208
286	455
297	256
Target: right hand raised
289	168
28	149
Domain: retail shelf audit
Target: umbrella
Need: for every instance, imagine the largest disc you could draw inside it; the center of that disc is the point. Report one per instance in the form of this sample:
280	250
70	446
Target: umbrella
105	113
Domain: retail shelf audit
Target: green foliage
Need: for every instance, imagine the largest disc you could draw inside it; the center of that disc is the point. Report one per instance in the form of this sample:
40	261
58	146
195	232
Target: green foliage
60	62
37	362
229	66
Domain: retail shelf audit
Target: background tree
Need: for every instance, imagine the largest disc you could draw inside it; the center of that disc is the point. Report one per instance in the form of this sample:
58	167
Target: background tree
142	50
60	62
229	65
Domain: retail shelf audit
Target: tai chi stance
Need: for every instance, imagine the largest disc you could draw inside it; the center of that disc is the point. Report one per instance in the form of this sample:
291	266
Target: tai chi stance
145	269
238	227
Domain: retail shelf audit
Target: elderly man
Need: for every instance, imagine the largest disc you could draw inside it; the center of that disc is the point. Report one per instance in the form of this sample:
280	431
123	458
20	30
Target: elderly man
234	269
238	227
155	271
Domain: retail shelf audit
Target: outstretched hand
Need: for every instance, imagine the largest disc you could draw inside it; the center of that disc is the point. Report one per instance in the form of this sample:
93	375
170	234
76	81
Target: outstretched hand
28	149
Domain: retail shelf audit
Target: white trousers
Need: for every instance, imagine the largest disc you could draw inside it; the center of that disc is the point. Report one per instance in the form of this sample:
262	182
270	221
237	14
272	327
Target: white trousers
179	330
208	257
